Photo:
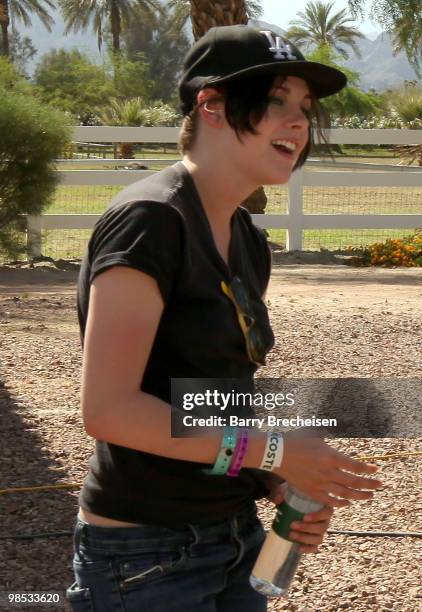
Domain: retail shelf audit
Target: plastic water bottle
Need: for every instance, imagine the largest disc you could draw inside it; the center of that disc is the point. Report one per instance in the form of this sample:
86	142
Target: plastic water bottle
279	557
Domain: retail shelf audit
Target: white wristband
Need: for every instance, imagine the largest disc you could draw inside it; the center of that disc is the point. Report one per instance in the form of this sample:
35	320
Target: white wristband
273	455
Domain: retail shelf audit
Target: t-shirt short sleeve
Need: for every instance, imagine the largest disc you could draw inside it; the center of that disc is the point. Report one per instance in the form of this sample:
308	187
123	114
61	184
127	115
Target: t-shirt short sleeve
146	236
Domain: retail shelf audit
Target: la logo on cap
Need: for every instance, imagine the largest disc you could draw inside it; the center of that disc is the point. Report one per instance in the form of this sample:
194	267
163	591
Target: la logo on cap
280	49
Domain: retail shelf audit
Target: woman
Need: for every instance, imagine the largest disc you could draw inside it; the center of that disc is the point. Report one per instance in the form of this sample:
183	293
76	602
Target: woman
171	287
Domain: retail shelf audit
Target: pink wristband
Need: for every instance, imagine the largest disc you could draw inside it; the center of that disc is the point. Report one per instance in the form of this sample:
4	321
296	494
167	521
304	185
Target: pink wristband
239	453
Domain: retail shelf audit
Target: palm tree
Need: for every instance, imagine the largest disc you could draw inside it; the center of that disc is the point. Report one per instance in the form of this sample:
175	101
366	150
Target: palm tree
205	14
21	11
318	26
406	32
135	112
407	104
124	113
79	14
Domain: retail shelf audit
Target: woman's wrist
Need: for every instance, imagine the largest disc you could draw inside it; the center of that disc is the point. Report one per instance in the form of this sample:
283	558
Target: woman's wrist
256	449
239	448
273	454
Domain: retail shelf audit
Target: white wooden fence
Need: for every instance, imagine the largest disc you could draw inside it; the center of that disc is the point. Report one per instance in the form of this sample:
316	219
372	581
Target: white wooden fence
294	222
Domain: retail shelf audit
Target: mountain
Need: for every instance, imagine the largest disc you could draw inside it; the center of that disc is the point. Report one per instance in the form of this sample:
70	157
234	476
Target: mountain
378	67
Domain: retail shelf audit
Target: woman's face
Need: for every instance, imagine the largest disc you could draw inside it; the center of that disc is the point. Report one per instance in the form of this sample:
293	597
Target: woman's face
282	135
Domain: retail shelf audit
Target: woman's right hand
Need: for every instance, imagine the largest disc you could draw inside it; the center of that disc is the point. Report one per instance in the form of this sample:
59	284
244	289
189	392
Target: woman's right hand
326	475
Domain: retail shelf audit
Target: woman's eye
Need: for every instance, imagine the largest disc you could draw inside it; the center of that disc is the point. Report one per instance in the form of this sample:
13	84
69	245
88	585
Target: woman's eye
280	102
275	100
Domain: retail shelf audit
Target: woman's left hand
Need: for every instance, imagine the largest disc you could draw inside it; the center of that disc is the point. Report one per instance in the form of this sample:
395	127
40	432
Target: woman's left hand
309	532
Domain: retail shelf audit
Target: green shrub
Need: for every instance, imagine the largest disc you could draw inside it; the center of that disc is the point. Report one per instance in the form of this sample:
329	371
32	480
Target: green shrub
406	104
32	136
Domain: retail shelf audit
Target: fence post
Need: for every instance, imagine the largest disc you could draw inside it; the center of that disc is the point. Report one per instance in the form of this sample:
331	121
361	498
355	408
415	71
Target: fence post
33	236
295	212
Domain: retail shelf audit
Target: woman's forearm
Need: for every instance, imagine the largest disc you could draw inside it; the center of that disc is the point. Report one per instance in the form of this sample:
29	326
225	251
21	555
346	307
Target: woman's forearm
143	422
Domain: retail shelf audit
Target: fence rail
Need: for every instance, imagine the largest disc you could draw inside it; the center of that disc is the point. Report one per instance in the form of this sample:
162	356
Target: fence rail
295	221
171	134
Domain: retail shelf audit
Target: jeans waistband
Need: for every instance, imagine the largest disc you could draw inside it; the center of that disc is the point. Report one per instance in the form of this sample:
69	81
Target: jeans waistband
141	538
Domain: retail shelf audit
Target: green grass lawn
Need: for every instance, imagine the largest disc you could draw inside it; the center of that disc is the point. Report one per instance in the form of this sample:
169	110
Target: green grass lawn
93	199
318	200
82	199
337	239
358	151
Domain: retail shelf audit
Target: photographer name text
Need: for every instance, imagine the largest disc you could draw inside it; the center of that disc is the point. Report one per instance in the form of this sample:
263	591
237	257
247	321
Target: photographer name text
269	421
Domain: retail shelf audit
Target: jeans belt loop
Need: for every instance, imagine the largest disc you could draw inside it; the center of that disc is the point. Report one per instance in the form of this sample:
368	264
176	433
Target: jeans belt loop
78	535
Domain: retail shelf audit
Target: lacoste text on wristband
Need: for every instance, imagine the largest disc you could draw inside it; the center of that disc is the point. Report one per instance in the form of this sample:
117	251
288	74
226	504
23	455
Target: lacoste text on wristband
273	455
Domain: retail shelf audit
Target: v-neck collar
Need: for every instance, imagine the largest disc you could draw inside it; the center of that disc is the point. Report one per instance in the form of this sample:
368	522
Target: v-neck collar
199	208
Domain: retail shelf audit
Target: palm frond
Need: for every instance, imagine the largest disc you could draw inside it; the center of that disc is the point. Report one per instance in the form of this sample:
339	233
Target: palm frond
318	25
21	10
80	14
124	112
357	8
182	9
406	35
254	8
298	35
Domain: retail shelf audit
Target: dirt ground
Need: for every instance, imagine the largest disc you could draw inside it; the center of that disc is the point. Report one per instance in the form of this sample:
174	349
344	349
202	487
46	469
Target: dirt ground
327	284
329	321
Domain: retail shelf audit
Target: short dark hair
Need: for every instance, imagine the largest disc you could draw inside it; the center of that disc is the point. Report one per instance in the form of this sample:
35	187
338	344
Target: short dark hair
246	102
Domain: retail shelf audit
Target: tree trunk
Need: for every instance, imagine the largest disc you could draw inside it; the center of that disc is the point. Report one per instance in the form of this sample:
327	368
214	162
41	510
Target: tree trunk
116	27
126	151
4	22
206	14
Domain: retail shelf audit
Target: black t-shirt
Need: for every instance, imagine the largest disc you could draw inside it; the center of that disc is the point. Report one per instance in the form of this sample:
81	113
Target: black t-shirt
158	225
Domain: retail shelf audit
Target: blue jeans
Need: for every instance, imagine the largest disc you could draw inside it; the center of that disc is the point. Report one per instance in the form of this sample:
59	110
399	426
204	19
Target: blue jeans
156	569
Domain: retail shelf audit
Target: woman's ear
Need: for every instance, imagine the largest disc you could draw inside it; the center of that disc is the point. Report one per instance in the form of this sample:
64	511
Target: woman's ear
211	106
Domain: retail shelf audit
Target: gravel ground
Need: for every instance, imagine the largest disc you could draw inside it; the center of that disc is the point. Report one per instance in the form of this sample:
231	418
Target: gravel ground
330	321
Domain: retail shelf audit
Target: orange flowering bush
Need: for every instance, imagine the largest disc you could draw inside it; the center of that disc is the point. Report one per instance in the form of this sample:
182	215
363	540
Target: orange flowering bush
405	251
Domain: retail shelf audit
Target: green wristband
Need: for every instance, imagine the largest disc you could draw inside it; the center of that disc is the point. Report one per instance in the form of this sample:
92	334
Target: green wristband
225	454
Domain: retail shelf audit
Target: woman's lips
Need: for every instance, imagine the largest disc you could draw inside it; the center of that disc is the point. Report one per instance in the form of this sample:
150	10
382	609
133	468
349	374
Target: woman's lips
285	153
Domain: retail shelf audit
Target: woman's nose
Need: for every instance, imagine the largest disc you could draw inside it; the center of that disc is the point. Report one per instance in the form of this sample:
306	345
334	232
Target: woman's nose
296	117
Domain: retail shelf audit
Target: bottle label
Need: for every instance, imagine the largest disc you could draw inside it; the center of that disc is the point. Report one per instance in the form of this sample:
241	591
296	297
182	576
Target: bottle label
283	519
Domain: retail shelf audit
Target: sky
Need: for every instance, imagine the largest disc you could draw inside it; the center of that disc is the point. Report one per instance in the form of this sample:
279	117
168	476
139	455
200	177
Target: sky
280	12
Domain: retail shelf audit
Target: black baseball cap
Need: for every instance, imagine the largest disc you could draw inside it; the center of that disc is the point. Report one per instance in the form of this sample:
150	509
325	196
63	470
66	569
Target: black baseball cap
231	52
